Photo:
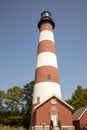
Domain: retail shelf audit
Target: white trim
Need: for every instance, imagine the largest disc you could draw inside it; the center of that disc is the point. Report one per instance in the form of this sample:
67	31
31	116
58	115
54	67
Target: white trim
67	104
82	114
38	126
46	35
41	126
68	126
46	59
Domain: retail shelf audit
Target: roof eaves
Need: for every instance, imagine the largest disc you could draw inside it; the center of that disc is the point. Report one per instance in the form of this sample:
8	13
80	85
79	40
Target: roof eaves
82	113
57	98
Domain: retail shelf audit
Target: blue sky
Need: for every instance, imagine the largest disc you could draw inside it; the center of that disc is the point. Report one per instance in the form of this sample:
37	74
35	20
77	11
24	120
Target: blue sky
19	41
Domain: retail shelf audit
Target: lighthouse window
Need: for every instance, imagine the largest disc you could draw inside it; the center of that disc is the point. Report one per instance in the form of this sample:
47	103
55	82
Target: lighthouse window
47	48
46	26
53	101
48	77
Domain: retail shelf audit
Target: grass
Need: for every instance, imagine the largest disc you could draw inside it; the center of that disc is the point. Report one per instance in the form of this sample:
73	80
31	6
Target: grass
11	128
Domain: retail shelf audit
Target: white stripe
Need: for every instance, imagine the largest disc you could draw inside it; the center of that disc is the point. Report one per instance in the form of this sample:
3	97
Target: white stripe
46	89
46	35
46	59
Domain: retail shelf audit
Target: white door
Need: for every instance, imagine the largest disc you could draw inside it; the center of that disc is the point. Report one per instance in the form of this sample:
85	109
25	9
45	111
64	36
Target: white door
54	118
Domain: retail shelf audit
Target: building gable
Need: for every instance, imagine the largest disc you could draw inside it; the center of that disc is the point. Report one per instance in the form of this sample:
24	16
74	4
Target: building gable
62	101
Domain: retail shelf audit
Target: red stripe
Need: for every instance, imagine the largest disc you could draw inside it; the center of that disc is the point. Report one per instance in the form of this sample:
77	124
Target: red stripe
46	46
46	26
42	72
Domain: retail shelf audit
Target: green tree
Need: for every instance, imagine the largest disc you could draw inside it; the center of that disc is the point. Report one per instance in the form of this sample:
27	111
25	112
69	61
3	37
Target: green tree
1	106
1	100
15	105
28	95
13	101
79	98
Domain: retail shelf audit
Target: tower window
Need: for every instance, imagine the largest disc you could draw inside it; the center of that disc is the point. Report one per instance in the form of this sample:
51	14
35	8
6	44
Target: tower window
47	48
48	76
46	26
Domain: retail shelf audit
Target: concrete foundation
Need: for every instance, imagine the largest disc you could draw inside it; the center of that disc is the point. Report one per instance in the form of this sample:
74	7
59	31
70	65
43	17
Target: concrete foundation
48	128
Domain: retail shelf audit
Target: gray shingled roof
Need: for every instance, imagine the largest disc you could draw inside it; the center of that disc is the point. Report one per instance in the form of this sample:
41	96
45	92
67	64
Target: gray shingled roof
78	114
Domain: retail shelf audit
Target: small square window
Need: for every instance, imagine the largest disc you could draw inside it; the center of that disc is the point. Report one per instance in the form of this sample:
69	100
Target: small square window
48	77
47	48
46	26
53	101
54	108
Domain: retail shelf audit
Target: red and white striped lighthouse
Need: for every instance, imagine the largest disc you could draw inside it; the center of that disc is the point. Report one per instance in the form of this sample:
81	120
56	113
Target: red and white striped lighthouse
46	76
47	102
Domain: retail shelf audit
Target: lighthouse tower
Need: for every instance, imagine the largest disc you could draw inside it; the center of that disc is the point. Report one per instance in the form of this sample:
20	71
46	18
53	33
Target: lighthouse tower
47	102
46	76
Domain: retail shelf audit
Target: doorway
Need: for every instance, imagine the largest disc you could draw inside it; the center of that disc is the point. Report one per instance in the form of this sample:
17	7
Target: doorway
54	118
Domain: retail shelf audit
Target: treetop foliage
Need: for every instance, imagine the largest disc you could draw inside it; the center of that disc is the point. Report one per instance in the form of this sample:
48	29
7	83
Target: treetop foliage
15	105
79	98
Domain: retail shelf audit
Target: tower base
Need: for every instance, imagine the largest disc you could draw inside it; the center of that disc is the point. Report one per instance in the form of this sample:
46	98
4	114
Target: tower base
41	127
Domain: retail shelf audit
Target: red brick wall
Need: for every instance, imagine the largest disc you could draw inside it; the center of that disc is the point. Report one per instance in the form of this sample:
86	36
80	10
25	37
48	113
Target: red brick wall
43	114
65	115
83	121
33	119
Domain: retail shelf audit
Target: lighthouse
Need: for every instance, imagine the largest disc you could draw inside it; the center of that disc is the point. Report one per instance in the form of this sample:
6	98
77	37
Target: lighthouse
48	104
46	76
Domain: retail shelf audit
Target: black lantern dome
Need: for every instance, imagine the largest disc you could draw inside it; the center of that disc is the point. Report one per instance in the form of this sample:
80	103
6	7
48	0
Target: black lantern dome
46	17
